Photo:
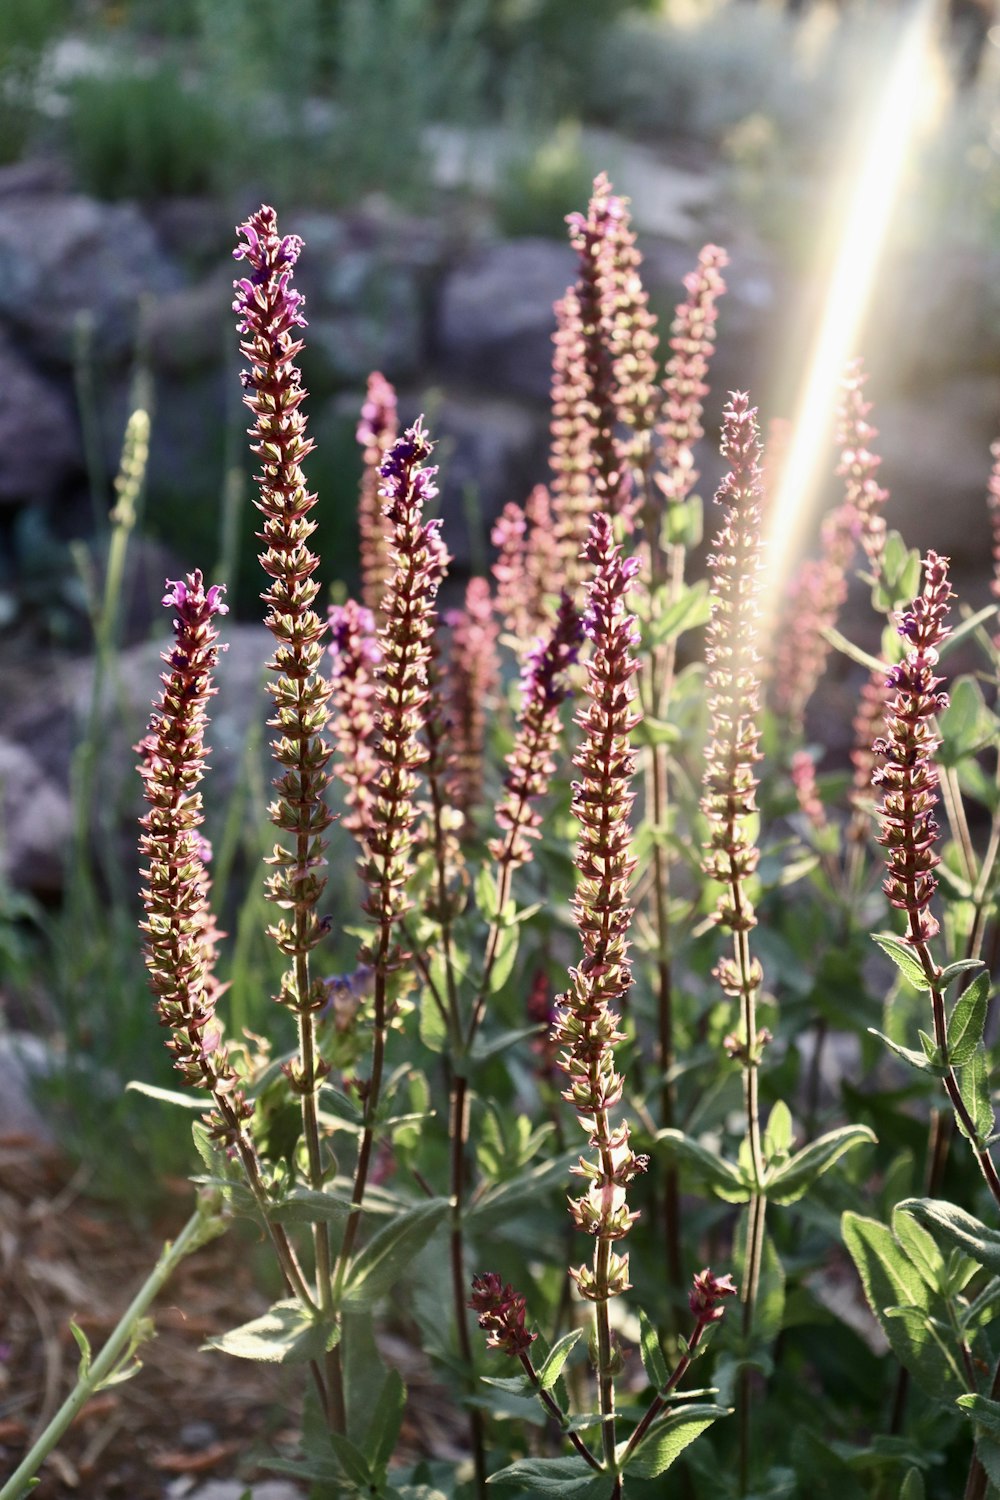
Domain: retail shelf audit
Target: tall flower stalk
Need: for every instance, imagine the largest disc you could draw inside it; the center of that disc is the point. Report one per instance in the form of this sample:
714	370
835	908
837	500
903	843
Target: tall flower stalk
908	779
180	928
270	314
376	433
585	1024
664	552
729	801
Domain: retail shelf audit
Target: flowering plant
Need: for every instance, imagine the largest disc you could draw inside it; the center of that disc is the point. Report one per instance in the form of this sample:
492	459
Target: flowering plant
693	973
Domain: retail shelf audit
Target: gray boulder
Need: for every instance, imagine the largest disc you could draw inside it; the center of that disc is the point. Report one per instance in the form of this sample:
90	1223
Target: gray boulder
40	445
496	321
36	821
63	256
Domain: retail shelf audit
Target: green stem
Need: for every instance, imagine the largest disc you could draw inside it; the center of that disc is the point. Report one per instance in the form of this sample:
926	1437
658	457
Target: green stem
195	1232
459	1132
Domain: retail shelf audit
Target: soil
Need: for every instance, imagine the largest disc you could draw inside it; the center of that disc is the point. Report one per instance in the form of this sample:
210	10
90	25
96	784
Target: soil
189	1415
186	1413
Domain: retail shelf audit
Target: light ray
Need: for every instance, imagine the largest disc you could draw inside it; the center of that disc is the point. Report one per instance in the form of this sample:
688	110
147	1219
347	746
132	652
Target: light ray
872	198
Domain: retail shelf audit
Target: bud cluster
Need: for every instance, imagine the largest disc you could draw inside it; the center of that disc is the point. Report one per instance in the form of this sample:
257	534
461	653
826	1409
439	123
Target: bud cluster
501	1312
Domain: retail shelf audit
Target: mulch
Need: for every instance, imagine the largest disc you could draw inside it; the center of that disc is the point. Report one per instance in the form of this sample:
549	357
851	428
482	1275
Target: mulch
65	1257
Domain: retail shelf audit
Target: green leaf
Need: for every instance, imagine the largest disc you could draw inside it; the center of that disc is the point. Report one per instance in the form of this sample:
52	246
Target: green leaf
913	1486
488	1046
683	523
309	1206
957	1227
725	1180
787	1183
567	1478
351	1460
778	1135
920	1248
891	1280
918	1060
487	898
389	1252
653	1362
83	1344
690	610
387	1419
192	1099
985	1413
973	1083
505	955
667	1440
285	1335
965	1027
961	966
904	958
496	1202
966	724
557	1357
925	1329
433	1027
653	731
988	1453
340	1105
511	1385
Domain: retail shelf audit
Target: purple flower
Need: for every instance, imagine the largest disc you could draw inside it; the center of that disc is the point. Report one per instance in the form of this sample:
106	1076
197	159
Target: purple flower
501	1312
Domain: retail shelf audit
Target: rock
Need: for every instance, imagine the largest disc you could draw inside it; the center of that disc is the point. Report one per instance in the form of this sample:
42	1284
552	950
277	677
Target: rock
37	822
666	198
936	450
63	256
936	315
23	1058
496	320
489	451
189	328
40	445
367	281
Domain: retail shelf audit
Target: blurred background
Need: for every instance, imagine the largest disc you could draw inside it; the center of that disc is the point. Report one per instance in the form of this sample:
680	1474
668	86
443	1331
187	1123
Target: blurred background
427	151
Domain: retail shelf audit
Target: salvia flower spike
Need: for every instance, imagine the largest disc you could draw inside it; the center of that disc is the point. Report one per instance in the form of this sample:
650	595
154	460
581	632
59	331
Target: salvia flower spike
859	466
692	344
179	928
270	313
376	433
354	658
585	1025
908	775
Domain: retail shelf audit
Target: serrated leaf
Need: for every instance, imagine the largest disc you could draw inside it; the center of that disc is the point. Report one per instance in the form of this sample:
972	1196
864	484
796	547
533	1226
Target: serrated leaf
787	1183
557	1357
974	1087
666	1440
339	1104
284	1335
923	1327
904	958
496	1202
351	1460
961	966
890	1280
713	1170
653	1362
389	1252
511	1385
984	1412
387	1419
965	1026
918	1060
432	1025
920	1248
565	1478
309	1206
988	1453
957	1227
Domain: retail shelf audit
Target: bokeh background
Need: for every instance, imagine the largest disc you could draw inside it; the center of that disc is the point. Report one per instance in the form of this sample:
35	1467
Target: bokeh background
427	151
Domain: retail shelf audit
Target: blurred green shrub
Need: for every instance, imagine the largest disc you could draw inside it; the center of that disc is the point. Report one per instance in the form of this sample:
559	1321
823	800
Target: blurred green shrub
144	135
26	28
541	184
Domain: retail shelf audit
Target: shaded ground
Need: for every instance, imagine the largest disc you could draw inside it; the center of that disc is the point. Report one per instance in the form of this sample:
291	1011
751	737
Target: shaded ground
186	1413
